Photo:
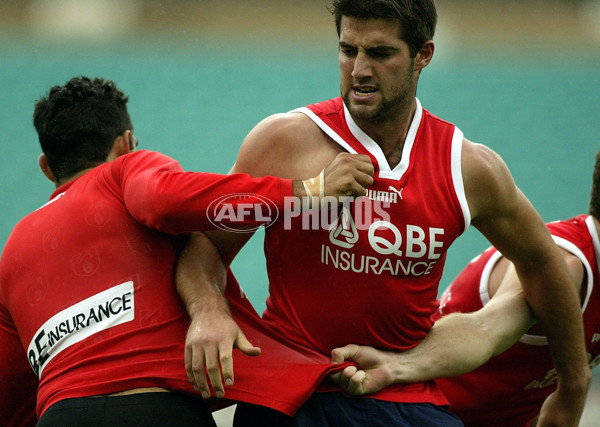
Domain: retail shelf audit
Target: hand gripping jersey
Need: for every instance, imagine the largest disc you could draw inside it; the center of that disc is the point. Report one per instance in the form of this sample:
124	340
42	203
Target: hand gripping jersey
87	279
509	390
284	376
368	272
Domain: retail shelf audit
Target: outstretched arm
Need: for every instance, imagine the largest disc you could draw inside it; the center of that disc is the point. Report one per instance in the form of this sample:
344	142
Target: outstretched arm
160	195
457	343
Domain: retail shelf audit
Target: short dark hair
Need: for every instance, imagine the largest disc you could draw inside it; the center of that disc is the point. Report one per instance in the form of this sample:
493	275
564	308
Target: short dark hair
418	18
77	123
595	194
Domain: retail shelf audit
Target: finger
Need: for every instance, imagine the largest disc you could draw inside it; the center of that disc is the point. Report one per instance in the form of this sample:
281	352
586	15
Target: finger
226	359
337	355
335	377
355	385
355	157
246	346
355	185
213	371
188	366
226	356
346	376
198	373
364	179
340	354
365	164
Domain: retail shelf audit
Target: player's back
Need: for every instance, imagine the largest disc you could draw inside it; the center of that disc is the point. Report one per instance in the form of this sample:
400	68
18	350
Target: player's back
91	292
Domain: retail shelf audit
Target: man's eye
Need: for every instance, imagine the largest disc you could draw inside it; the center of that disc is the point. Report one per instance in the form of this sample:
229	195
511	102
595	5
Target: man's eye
380	55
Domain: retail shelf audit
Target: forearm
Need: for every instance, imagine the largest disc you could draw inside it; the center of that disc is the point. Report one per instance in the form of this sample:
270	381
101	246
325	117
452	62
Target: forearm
201	280
163	197
456	344
461	342
201	276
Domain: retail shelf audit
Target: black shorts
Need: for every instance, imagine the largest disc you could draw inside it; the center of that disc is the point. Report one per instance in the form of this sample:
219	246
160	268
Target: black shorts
335	410
133	410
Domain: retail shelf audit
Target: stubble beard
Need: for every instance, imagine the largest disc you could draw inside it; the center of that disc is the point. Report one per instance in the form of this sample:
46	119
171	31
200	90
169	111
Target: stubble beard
388	108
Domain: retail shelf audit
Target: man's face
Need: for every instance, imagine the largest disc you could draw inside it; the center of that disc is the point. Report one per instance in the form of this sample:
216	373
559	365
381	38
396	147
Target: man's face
377	75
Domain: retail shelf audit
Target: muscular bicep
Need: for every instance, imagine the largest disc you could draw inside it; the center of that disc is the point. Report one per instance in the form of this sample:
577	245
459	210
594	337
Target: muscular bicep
262	153
501	211
287	146
263	150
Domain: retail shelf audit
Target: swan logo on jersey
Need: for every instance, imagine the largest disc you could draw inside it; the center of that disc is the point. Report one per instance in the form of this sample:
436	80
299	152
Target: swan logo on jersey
232	211
85	263
82	320
344	233
595	338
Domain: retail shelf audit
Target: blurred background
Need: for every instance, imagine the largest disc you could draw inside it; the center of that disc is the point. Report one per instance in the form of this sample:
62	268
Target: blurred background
522	77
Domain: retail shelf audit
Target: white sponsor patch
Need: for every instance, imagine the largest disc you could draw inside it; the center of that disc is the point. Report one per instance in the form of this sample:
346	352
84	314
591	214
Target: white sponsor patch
88	317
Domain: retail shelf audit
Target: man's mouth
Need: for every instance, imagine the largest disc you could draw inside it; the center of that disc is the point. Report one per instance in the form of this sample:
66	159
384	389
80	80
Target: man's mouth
364	91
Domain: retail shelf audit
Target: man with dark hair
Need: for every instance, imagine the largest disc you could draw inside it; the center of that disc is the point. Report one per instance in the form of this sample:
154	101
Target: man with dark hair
69	113
486	303
86	281
372	277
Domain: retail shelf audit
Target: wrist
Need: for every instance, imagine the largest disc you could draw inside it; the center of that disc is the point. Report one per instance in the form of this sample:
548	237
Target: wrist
310	191
399	368
207	306
315	189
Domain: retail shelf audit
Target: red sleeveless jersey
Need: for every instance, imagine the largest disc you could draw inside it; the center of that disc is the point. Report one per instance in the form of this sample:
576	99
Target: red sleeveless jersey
367	272
510	389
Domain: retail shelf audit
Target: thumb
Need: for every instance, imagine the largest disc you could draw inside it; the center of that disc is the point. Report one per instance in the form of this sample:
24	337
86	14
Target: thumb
341	354
246	346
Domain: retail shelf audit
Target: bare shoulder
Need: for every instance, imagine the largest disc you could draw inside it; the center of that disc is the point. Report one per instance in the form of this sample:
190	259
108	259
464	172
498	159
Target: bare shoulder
289	145
486	177
500	210
480	161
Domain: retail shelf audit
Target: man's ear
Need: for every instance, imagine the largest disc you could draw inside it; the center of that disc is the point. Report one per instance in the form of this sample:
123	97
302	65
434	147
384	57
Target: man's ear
43	163
122	143
424	55
120	146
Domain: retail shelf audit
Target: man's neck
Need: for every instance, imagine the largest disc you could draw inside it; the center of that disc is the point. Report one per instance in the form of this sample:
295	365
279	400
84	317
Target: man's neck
73	177
390	134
